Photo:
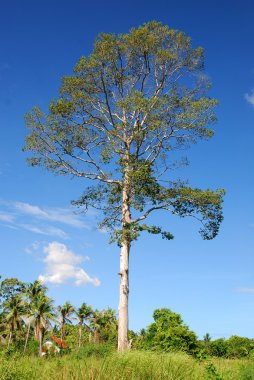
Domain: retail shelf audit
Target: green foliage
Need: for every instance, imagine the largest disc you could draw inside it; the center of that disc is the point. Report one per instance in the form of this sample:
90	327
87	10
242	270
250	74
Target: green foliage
247	371
10	288
31	306
138	97
218	347
169	333
212	372
239	347
104	326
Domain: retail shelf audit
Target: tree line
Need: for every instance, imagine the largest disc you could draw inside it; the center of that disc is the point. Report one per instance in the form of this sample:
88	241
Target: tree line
27	313
29	318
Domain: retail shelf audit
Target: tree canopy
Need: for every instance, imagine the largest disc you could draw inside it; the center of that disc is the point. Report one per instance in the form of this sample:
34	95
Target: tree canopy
129	105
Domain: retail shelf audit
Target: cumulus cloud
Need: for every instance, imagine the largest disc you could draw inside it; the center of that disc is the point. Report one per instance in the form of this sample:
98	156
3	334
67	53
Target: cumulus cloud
250	98
62	265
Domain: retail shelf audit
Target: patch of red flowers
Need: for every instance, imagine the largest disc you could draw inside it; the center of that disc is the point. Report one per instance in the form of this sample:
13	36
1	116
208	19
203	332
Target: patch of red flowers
59	342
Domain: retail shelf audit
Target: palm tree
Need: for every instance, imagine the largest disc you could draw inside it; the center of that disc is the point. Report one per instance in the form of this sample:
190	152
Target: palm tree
83	313
43	314
96	322
66	311
207	338
32	292
102	321
15	310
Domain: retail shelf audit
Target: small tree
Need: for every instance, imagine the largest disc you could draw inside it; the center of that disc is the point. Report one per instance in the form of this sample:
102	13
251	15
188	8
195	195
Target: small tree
169	333
138	97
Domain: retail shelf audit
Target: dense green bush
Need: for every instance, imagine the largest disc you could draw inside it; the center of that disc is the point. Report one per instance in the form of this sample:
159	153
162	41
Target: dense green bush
168	333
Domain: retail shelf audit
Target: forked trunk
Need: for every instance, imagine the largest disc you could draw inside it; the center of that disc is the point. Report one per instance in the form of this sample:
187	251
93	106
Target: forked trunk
124	296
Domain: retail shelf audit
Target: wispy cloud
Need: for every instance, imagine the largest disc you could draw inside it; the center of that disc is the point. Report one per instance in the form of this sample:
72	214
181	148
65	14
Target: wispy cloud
41	220
6	217
61	215
245	290
250	98
62	265
45	230
33	247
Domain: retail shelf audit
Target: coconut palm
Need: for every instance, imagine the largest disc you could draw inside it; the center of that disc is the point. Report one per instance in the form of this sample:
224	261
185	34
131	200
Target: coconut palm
43	313
31	293
14	311
66	311
83	313
102	321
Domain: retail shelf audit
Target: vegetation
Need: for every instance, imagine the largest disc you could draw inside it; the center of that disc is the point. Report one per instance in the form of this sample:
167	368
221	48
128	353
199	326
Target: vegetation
127	107
30	323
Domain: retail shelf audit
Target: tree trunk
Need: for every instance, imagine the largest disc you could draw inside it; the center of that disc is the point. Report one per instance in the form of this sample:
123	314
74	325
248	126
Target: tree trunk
10	339
63	331
80	334
123	318
96	336
40	342
27	336
124	296
36	330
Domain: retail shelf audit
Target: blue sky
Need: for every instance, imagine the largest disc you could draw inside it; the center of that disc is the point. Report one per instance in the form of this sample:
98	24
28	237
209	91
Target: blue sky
211	283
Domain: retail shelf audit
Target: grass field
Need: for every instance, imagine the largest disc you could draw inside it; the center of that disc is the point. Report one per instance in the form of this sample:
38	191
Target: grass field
135	365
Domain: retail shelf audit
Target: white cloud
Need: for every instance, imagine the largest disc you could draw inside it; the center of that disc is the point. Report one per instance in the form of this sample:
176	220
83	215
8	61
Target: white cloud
6	217
42	220
62	215
33	247
63	265
46	230
246	290
250	98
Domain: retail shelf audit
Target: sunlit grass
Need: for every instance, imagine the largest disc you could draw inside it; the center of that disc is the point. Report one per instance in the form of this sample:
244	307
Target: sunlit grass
134	365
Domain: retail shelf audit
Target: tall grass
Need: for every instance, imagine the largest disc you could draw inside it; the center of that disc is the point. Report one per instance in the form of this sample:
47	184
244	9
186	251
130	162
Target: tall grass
105	364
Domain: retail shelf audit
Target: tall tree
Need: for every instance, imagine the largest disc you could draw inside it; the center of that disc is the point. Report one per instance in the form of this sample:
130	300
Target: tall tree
120	116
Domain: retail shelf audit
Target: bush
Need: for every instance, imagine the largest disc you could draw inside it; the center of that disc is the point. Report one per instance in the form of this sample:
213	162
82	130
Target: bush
218	348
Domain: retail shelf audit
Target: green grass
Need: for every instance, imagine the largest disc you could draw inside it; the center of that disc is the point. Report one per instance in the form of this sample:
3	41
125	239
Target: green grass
135	365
